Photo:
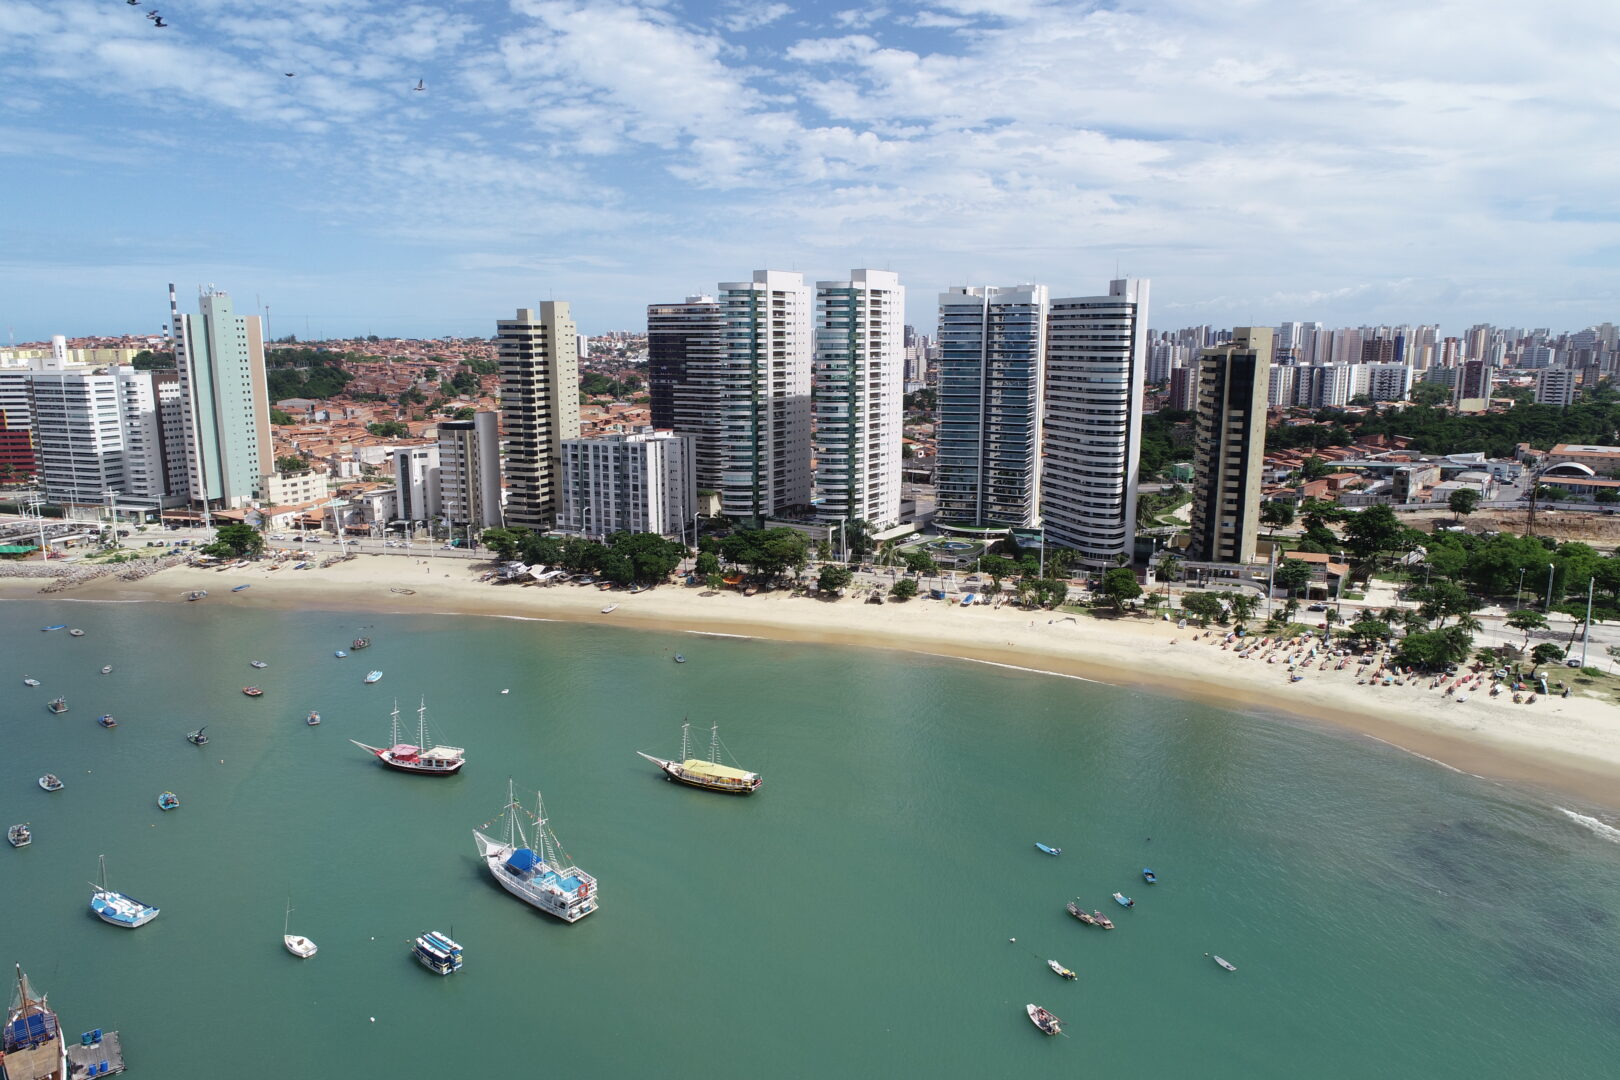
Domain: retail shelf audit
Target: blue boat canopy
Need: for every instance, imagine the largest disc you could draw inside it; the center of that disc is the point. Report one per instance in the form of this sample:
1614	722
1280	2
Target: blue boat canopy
523	860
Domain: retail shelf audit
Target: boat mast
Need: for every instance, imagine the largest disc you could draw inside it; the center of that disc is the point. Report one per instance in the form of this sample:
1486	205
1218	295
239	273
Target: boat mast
714	742
514	830
421	725
394	741
686	731
542	833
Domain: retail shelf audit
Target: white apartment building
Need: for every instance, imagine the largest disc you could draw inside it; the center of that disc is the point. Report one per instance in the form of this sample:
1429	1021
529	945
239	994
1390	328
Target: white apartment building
746	397
416	479
1556	386
470	471
539	358
154	439
859	386
79	435
1327	386
1280	388
641	483
1096	348
1382	382
220	356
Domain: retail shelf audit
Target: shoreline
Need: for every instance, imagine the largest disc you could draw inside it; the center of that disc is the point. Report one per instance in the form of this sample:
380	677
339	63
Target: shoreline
1569	746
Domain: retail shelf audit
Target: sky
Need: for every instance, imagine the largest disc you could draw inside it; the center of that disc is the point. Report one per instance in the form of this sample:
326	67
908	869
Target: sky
1361	161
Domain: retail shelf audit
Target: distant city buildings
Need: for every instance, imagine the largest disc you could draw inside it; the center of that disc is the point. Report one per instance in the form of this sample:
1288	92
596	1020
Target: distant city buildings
539	362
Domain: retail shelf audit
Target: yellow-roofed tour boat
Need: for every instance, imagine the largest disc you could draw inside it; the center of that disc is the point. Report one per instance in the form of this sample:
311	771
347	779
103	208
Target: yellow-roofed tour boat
706	774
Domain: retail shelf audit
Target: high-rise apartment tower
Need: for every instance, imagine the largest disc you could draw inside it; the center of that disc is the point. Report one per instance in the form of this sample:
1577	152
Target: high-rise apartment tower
1229	445
859	386
539	358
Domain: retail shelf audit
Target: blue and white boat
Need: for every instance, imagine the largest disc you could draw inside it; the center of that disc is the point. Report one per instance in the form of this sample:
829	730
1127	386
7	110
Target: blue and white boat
168	801
1048	850
538	878
437	953
373	676
1124	901
239	588
116	908
1149	876
58	626
106	720
340	654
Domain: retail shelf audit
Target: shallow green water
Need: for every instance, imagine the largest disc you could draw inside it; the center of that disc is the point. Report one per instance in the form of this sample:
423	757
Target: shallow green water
1389	917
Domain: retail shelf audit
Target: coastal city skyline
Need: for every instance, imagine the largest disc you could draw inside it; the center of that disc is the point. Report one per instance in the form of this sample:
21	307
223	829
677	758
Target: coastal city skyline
603	148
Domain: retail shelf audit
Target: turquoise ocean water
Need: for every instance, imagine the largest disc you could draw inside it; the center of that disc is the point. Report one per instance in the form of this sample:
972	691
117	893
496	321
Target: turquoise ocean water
1388	917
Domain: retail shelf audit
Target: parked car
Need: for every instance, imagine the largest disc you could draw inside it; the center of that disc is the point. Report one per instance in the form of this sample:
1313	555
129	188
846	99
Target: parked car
1317	607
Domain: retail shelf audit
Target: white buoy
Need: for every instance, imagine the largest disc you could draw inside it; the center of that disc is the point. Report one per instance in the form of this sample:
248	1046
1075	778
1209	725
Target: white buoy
1012	939
373	1019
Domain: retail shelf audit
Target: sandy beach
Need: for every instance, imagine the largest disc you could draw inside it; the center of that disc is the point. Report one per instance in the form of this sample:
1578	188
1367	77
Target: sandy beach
1566	745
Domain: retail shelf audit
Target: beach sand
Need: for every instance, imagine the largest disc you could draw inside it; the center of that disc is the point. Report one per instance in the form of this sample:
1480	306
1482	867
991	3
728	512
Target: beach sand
1565	745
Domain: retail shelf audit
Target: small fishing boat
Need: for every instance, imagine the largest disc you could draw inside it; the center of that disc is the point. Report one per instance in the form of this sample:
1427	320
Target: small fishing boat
1061	970
168	801
1149	876
709	773
1227	964
252	691
679	659
506	691
57	705
30	681
198	595
610	609
1124	901
106	720
239	588
58	626
198	737
1048	850
1102	920
1049	1024
50	782
19	836
360	643
257	664
116	908
297	944
313	718
373	676
437	953
76	632
1080	913
340	654
107	670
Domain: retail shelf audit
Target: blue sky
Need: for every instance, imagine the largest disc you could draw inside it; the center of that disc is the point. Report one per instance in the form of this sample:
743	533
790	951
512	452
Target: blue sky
1259	160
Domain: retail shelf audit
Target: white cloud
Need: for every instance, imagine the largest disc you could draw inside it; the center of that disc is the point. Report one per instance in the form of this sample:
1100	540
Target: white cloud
745	15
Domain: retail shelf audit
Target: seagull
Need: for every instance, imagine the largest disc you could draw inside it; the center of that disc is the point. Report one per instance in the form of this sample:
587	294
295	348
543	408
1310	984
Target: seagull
290	74
133	3
420	85
159	22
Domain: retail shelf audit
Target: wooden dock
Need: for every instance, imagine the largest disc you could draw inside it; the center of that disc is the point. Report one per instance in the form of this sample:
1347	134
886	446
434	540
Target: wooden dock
105	1057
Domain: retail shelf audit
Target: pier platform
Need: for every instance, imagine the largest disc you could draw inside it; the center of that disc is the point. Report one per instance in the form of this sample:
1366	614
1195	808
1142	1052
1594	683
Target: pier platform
102	1058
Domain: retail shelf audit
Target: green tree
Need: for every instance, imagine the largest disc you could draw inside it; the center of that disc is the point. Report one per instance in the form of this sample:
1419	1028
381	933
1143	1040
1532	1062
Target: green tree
282	417
234	541
1431	649
1120	586
290	463
389	429
834	577
919	562
1278	513
904	589
1442	600
1526	620
1050	592
998	568
648	559
1242	606
1374	533
1430	394
1462	502
1293	574
1059	561
1203	607
706	564
1368	631
147	360
1546	653
1314	468
1606	495
505	543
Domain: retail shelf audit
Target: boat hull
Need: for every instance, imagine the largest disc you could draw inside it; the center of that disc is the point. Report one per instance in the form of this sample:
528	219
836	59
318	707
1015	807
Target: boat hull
116	909
300	946
672	770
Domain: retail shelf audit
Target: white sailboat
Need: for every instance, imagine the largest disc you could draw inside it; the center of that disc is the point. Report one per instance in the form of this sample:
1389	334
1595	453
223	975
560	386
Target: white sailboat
297	944
538	878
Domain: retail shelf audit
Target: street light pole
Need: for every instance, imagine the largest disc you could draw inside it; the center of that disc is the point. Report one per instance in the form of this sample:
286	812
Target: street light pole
1518	596
1586	631
1548	605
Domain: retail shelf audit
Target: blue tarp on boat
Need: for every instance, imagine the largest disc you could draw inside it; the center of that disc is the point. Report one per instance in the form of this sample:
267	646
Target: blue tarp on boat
523	860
